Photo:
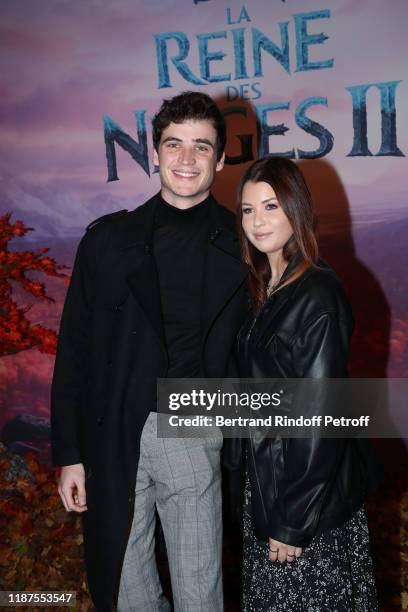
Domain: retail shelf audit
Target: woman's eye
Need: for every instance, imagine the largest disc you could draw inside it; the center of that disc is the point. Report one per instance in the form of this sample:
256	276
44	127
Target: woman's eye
270	206
246	211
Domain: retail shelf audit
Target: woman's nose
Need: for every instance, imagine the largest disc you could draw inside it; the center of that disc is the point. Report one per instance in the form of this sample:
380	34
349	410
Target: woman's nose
258	218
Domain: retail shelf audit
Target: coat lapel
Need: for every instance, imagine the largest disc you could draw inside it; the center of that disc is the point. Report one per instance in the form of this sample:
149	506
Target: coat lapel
278	300
224	271
143	279
144	284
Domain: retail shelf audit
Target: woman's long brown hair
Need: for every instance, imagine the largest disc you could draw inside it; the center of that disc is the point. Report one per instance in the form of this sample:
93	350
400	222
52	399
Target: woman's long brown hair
294	197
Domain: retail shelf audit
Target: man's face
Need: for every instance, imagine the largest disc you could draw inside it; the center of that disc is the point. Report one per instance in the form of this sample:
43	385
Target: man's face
187	160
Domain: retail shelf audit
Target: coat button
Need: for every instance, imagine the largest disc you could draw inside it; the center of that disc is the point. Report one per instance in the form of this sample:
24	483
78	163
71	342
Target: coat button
117	308
109	364
131	498
99	420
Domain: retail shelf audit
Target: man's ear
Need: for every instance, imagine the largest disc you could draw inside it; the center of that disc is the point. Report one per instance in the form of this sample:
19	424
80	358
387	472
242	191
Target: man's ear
220	163
155	157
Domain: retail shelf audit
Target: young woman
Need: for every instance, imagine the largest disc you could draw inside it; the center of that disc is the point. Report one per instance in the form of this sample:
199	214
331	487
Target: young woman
306	544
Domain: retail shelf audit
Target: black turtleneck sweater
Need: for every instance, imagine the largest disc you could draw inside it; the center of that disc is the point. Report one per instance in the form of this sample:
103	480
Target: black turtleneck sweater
180	246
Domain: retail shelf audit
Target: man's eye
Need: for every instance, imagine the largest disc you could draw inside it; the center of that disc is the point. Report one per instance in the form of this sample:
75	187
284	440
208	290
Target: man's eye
172	145
202	148
246	210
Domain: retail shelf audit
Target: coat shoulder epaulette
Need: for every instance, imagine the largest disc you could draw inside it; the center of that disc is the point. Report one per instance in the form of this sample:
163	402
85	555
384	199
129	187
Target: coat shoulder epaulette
109	216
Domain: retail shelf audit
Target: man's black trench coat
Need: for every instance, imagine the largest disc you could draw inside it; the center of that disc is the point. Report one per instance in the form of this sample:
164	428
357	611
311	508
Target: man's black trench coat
110	352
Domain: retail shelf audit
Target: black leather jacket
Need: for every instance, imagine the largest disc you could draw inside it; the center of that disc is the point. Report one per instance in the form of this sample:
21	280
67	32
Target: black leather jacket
302	486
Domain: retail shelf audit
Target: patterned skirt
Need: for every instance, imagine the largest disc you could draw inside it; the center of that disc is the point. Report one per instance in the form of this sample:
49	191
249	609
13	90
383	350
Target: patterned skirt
333	574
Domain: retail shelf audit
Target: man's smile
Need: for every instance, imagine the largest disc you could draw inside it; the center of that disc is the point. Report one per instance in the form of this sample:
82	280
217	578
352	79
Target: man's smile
185	174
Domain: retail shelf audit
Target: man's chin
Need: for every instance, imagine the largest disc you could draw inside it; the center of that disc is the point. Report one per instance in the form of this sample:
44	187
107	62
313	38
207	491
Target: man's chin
188	193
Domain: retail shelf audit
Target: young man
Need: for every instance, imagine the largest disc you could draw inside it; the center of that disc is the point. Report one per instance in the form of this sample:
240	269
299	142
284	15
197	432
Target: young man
157	292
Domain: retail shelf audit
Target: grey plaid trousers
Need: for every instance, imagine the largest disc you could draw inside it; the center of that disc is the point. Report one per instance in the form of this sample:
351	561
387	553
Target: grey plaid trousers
182	478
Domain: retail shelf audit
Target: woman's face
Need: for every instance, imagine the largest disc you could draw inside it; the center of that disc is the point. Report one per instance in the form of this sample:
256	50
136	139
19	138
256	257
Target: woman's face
264	223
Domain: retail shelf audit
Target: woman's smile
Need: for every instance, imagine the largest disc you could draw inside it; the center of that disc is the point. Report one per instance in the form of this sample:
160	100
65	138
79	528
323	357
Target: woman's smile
262	236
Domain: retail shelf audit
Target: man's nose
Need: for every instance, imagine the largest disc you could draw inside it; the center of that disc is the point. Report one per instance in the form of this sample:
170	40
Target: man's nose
187	155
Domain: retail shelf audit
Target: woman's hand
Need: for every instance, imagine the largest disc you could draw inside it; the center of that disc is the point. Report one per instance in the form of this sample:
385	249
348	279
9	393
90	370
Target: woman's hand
283	552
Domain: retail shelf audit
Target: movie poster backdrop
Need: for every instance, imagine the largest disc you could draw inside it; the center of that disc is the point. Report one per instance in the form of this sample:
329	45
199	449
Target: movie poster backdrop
320	82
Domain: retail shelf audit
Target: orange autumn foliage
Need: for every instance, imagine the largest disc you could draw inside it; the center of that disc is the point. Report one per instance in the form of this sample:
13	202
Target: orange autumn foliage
41	544
17	333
